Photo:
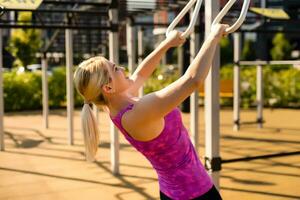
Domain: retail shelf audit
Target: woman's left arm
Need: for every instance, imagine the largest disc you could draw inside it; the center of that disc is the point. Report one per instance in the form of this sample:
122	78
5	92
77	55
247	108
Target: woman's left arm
146	68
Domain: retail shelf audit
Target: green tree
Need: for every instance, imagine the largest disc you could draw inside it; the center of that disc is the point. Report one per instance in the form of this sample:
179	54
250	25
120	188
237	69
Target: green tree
24	43
281	47
248	52
226	51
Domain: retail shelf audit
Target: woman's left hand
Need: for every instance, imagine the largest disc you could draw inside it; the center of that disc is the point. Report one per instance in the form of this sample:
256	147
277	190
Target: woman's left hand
175	39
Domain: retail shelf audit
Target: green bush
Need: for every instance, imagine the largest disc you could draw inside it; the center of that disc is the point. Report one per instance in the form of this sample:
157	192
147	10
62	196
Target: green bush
282	88
22	91
248	52
58	89
281	47
226	50
161	77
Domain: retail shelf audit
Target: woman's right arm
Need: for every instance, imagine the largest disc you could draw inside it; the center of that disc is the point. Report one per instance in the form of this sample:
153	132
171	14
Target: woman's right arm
159	103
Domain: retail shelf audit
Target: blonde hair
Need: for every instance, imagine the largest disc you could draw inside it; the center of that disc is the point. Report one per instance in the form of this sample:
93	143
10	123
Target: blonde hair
89	77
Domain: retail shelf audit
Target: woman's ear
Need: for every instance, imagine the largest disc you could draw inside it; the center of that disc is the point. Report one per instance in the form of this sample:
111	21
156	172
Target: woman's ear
107	88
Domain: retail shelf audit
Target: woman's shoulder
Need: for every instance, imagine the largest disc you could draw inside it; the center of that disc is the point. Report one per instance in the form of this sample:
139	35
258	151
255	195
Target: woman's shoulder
139	130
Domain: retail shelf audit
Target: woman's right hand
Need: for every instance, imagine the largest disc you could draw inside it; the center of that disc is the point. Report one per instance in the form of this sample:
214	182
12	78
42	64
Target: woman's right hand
175	39
218	31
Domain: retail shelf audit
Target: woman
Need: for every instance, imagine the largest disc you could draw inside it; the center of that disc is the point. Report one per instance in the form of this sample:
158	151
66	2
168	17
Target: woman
152	123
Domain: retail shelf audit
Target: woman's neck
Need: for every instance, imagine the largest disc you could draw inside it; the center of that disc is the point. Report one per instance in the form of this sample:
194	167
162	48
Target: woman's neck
118	102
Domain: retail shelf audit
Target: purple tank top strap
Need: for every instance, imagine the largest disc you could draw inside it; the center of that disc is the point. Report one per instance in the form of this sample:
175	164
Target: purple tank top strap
118	117
117	121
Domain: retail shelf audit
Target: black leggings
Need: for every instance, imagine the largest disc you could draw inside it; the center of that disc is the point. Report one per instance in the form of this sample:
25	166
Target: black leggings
212	194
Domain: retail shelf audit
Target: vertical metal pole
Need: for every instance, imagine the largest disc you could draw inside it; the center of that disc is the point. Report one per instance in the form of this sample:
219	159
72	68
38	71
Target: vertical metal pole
45	91
140	44
236	76
69	74
212	107
180	59
259	95
12	18
140	52
114	57
163	62
1	96
131	49
194	108
259	78
263	3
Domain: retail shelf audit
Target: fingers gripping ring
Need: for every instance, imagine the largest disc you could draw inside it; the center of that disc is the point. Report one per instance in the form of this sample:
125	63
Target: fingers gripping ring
181	15
240	20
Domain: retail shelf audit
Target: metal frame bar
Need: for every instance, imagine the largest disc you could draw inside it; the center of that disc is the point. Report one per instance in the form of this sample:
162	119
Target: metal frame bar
274	155
70	88
271	62
75	2
259	95
131	44
212	107
58	26
140	45
75	11
45	91
1	95
194	107
114	57
236	94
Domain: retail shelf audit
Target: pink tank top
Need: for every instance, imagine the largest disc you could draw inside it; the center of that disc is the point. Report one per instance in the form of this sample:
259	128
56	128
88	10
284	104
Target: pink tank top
181	174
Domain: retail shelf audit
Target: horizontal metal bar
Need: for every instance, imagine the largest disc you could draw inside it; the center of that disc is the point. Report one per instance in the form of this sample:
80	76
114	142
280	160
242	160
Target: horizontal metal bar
272	62
158	24
75	2
269	31
53	26
282	154
150	24
104	13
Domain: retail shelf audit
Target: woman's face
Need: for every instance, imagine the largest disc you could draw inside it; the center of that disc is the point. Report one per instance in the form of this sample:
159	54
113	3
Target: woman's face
120	82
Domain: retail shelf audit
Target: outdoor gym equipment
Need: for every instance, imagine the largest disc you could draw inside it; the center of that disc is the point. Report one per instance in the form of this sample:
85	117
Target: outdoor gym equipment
181	15
240	20
219	17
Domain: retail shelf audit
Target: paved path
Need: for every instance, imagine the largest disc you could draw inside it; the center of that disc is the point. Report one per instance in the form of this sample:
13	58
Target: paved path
39	164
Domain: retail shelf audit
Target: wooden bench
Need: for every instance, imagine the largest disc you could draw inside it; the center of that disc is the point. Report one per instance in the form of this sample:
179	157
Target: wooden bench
226	89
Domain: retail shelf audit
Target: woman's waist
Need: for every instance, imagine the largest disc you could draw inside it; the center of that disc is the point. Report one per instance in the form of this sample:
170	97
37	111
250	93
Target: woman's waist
169	161
182	184
187	168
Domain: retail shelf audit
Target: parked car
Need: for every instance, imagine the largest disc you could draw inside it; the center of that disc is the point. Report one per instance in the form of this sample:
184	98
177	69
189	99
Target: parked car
33	68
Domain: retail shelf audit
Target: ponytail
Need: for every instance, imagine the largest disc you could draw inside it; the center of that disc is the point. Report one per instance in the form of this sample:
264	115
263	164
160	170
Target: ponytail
90	132
89	78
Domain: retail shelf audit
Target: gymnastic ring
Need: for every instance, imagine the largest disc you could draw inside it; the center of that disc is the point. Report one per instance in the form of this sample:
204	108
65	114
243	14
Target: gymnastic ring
181	15
240	20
